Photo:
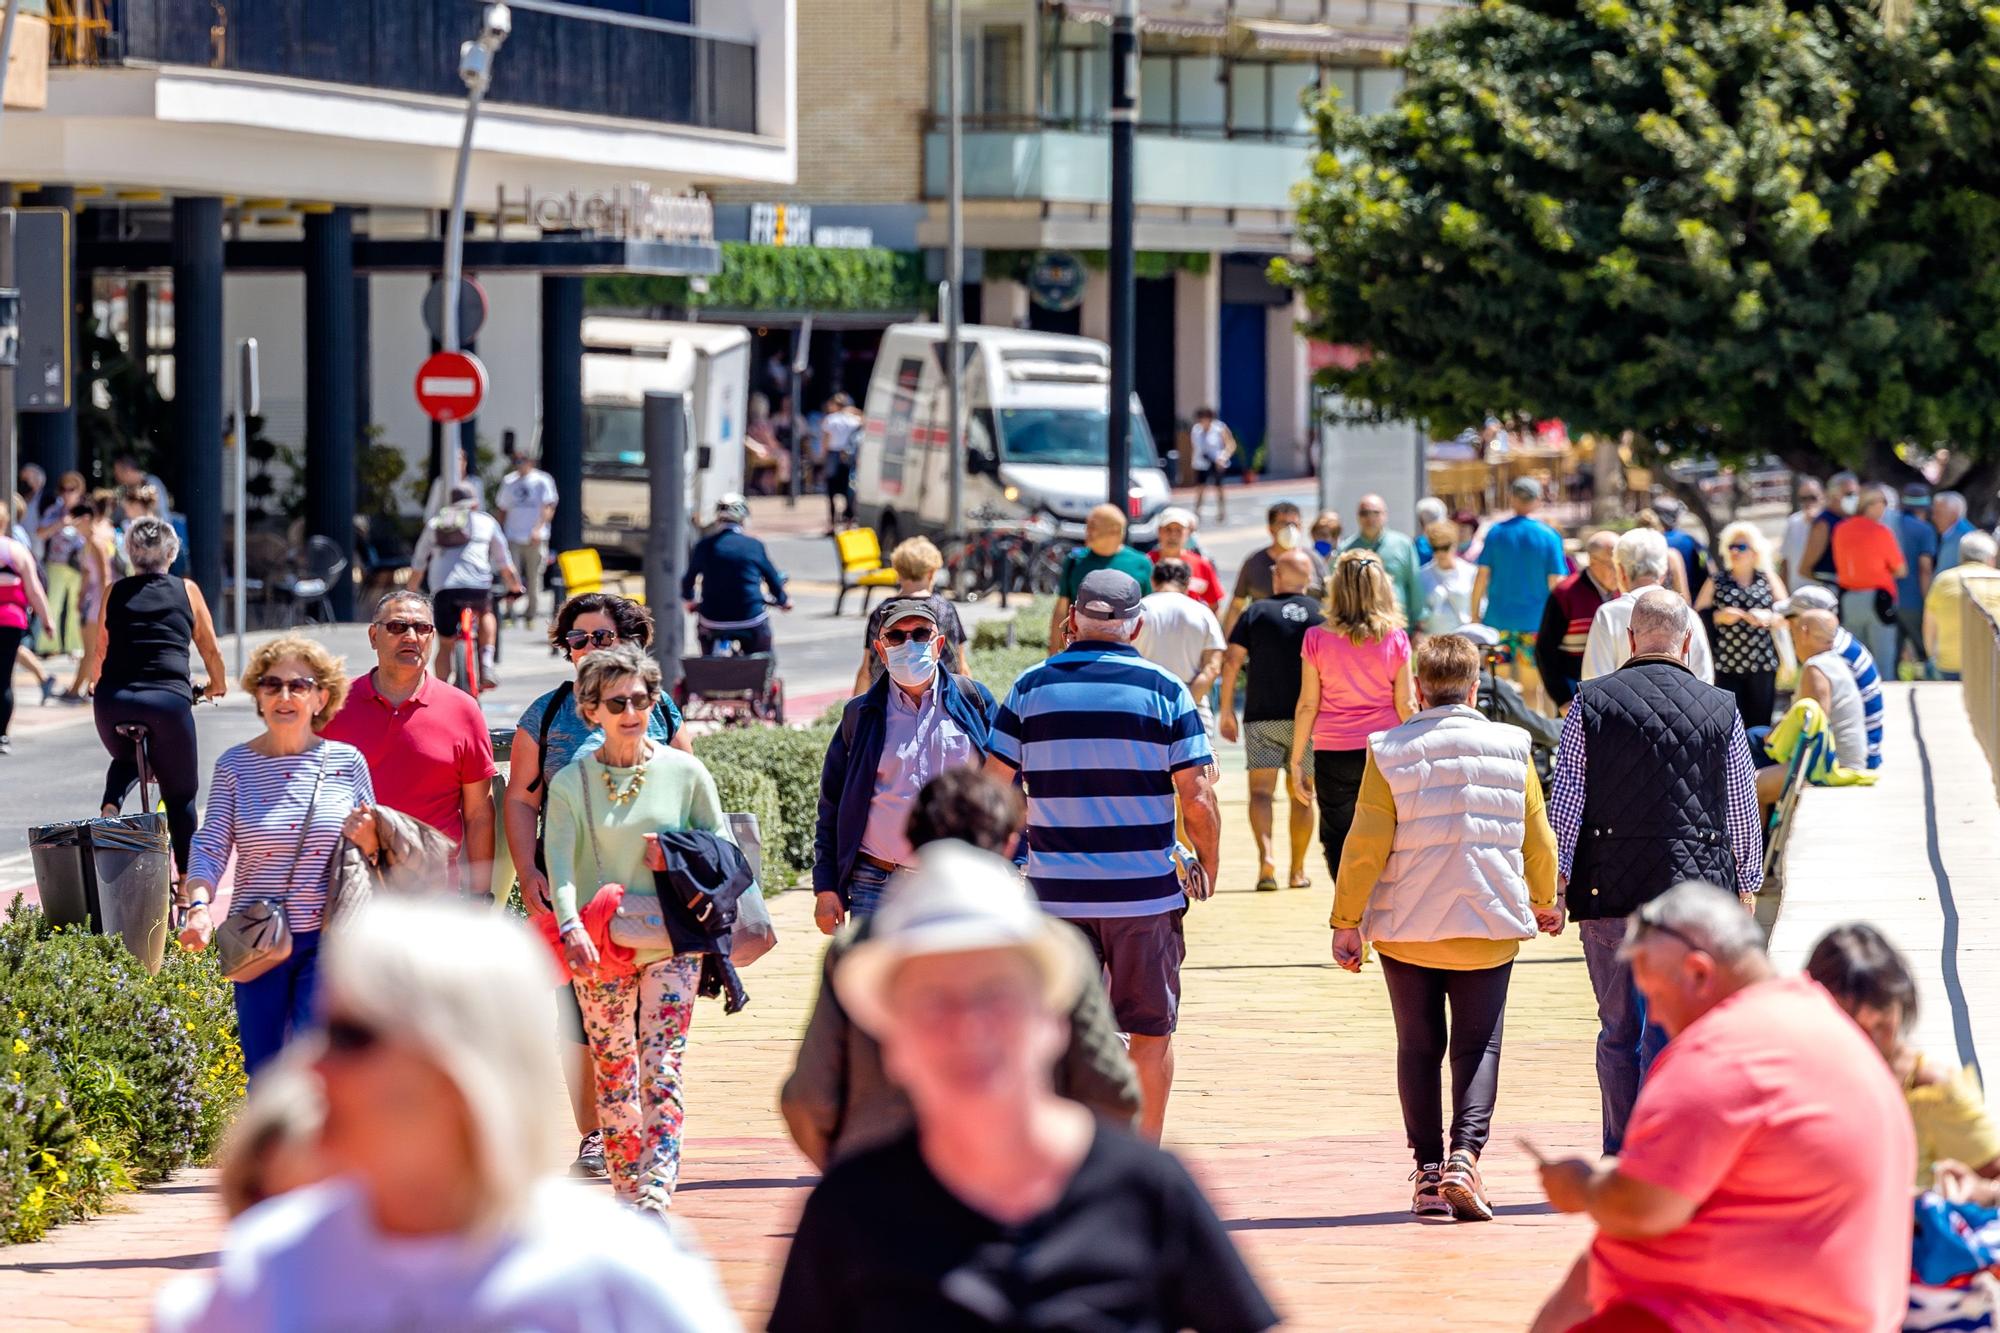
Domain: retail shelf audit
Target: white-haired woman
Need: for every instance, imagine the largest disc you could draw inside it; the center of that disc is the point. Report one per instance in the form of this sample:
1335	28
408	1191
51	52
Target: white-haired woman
1743	595
602	810
437	1120
140	661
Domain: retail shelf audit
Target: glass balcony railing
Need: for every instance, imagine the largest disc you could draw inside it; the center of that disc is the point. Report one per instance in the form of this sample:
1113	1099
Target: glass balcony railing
558	62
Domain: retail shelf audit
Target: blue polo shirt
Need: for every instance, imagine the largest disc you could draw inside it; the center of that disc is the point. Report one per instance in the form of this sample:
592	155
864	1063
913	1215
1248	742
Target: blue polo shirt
1947	552
1917	537
1523	554
1098	733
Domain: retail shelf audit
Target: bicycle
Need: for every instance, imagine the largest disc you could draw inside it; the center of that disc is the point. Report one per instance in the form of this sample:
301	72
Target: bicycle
1003	554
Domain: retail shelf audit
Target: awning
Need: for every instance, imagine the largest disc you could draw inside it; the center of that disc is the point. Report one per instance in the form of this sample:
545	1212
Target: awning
1322	38
1164	19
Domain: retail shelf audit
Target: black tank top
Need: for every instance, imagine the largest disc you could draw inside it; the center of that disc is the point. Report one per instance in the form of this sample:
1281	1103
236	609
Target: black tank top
151	624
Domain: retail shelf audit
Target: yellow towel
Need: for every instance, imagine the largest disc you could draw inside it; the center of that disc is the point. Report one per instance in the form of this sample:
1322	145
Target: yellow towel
1805	724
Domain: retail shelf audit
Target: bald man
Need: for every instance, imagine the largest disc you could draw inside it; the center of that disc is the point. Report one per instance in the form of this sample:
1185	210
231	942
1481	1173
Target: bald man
1103	548
1396	551
1572	604
1825	678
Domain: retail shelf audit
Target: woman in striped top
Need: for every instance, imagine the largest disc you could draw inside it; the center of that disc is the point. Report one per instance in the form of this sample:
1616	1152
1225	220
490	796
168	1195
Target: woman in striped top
261	792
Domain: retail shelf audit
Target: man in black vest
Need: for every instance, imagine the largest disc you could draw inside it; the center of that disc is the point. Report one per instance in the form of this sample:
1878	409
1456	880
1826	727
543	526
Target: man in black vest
1654	785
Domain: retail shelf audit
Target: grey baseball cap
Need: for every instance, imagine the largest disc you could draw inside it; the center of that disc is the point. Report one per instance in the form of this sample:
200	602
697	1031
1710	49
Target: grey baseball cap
1808	597
906	608
1107	594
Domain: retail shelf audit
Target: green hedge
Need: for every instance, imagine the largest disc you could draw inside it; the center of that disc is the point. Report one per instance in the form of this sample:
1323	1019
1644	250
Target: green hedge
1027	627
765	277
107	1075
791	757
747	792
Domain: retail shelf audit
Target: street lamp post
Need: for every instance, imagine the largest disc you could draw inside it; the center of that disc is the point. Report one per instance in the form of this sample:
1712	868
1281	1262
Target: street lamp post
955	282
1124	121
475	69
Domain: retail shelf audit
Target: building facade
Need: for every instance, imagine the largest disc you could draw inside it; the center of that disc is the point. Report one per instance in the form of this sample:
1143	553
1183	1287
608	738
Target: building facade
281	171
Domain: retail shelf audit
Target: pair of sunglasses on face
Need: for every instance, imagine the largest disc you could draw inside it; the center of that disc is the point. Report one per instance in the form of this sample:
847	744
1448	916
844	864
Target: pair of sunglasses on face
423	629
896	638
273	686
578	639
642	702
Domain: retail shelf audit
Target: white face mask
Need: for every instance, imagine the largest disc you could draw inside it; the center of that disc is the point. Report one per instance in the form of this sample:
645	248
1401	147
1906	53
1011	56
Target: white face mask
911	664
1850	503
1288	537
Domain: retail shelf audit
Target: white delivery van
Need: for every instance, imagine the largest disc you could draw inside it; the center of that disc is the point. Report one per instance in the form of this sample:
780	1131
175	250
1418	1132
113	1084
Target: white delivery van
622	360
1036	425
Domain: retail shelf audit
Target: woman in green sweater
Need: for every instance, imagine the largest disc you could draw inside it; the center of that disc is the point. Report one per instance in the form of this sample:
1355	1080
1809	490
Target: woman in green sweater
601	809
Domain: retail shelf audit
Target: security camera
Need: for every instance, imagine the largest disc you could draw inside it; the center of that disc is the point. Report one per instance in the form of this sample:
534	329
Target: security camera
496	25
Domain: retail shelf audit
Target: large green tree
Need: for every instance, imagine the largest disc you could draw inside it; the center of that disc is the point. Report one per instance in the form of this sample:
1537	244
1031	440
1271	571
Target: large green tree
1736	228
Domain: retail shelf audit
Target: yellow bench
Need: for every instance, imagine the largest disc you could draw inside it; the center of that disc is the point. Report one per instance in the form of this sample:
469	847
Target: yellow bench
583	571
860	553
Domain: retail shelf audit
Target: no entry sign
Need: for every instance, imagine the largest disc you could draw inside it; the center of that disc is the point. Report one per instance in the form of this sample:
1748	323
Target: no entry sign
450	386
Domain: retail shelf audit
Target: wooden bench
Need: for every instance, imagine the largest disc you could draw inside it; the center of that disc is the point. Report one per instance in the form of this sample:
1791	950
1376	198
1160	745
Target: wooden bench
859	552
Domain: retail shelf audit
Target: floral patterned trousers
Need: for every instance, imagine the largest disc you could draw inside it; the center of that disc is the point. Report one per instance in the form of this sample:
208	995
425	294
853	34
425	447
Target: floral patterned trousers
638	1028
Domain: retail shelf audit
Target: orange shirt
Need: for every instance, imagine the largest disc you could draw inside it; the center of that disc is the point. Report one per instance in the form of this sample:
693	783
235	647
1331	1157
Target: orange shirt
1866	555
1784	1124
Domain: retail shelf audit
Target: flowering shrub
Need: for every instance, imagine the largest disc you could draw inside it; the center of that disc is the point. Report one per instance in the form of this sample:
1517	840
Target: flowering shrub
107	1075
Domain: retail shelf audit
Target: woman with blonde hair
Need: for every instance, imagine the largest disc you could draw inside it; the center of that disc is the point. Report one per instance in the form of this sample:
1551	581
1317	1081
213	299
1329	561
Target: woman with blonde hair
1744	594
278	806
1355	681
434	1125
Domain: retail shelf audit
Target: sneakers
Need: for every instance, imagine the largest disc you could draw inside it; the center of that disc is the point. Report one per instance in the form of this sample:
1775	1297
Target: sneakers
1464	1193
590	1157
1429	1201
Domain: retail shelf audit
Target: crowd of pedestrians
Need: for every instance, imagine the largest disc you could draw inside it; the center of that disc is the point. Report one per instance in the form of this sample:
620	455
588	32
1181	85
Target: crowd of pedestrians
986	1071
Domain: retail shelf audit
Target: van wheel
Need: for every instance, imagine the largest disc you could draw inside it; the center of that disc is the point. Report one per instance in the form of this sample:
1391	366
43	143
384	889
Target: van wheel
888	531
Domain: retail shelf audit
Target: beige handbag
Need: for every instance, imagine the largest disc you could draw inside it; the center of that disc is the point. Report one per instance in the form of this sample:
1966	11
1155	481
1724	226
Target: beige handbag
255	937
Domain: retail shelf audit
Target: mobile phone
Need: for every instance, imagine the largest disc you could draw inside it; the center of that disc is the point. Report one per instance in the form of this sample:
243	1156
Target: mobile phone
1528	1147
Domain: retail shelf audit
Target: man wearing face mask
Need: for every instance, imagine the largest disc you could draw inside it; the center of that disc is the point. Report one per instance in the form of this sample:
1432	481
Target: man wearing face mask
909	726
1843	498
1253	581
1396	551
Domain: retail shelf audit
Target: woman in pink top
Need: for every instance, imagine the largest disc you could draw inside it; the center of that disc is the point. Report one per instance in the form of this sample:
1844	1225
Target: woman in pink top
1355	680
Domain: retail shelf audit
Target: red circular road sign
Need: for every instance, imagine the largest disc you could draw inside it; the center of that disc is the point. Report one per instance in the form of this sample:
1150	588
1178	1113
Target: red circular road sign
450	385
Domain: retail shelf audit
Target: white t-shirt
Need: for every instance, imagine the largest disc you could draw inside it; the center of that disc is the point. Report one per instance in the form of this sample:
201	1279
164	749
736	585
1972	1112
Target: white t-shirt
522	498
1211	442
1792	550
1609	645
837	432
1175	631
470	566
1447	595
313	1262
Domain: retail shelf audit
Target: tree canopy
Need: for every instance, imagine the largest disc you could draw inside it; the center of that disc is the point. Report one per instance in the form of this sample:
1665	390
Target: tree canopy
1736	228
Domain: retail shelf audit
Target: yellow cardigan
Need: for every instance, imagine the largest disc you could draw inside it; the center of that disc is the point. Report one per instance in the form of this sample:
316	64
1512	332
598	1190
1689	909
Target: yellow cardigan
1366	852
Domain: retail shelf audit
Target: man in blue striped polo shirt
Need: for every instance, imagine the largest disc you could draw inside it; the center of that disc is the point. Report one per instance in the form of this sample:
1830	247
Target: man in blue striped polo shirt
1106	741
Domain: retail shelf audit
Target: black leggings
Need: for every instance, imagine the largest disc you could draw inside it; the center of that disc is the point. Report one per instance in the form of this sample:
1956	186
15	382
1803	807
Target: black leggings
171	747
10	642
1756	694
1478	1000
1336	784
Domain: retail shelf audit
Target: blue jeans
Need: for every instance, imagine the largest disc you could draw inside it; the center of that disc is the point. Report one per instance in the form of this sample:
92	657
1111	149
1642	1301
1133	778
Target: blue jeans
279	1004
864	889
1627	1044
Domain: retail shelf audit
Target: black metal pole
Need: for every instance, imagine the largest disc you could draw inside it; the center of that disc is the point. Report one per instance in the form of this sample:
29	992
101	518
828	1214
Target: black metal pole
562	403
665	425
1124	295
197	415
331	431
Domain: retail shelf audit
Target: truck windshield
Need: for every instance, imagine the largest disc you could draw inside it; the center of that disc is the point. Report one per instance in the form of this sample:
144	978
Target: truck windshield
1066	436
613	435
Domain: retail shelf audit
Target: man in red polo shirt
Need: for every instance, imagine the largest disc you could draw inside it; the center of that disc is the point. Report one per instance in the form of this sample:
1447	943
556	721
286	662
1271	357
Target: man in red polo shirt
428	750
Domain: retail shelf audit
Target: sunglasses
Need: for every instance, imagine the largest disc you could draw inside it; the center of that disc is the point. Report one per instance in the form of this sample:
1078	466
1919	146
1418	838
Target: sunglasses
344	1036
1649	927
642	702
423	629
1739	548
591	638
896	638
276	685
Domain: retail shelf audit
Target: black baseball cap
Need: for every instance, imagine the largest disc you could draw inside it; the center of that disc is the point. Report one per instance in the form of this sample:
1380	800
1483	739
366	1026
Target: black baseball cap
908	608
1107	594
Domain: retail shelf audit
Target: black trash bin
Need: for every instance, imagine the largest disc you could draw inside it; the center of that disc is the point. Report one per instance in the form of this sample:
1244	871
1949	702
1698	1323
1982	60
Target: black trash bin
113	875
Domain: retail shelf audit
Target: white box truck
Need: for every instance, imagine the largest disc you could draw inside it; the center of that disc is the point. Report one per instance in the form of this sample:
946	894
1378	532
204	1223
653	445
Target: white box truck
1037	409
622	360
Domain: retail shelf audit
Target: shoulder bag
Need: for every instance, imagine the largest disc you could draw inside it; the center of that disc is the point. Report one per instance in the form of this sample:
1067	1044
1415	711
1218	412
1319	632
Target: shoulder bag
256	937
641	920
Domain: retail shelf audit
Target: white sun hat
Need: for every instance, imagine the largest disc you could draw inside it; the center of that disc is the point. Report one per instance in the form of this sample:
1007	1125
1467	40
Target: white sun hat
958	899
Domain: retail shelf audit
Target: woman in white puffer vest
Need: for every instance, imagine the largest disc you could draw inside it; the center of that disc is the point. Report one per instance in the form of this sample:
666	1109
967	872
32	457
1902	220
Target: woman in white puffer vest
1450	864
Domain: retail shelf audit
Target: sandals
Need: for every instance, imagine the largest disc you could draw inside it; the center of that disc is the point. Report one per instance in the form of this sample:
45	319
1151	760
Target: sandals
1302	882
1268	884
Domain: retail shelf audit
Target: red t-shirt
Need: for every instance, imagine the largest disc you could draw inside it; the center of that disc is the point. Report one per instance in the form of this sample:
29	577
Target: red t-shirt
420	754
1206	585
1866	555
1784	1122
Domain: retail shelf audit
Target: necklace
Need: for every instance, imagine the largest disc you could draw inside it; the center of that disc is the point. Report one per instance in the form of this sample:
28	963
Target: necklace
631	789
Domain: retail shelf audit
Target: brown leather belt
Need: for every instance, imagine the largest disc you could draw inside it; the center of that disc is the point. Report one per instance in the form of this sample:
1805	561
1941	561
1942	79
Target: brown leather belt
878	862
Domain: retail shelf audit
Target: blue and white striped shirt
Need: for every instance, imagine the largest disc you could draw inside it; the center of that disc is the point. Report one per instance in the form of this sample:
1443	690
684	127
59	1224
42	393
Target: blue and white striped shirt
255	803
1869	681
1098	732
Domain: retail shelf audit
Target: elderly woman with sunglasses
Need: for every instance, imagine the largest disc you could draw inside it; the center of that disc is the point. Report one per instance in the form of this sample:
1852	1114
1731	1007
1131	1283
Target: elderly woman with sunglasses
1743	596
603	812
278	807
551	733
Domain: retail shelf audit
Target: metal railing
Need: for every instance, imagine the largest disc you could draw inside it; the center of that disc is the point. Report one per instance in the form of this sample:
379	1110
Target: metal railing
557	61
1979	665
